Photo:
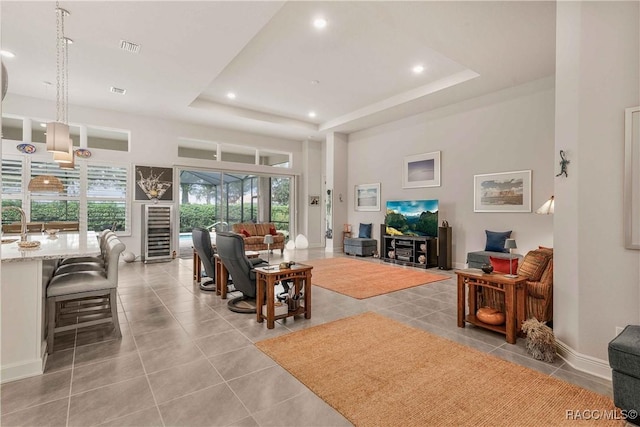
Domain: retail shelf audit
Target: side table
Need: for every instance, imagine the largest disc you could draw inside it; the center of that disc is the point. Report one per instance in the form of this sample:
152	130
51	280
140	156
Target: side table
514	300
266	280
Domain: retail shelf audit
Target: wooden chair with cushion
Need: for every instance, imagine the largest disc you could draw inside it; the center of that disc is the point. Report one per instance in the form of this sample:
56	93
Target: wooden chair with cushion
537	267
86	287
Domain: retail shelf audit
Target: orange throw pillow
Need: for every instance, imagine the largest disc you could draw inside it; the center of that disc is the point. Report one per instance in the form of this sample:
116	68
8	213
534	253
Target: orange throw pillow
245	233
501	265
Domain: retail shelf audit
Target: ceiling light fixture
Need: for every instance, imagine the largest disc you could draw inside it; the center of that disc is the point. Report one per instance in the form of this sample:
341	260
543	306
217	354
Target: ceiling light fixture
312	114
315	82
231	95
58	140
45	184
320	23
7	54
117	90
418	69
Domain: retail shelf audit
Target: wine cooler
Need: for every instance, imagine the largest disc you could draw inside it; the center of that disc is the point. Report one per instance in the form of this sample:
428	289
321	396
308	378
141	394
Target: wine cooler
157	231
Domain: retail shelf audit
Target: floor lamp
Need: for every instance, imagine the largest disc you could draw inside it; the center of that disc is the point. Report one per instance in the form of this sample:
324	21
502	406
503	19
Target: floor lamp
510	244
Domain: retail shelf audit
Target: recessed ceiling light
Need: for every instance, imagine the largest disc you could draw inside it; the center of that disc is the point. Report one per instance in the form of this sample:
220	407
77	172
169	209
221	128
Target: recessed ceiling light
418	69
7	54
312	114
315	82
231	95
319	22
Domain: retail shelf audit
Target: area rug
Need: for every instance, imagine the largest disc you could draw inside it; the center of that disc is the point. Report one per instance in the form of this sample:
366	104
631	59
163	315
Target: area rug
379	372
363	279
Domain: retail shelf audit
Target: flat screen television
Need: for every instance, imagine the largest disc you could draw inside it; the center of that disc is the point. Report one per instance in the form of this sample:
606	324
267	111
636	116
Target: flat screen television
412	217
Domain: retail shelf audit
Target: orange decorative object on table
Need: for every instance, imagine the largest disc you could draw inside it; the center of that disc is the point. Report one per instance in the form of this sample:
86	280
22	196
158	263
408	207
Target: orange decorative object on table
490	315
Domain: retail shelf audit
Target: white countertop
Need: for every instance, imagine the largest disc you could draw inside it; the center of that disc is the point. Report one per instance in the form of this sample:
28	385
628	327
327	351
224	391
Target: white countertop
60	246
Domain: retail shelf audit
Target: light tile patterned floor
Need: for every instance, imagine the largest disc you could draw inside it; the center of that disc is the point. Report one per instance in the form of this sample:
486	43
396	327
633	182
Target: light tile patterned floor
184	359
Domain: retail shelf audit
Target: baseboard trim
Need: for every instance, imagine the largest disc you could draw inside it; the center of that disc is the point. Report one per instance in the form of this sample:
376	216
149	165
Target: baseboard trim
582	362
18	371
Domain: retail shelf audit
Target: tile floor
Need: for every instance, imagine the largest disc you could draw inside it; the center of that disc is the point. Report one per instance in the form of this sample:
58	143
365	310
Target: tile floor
186	360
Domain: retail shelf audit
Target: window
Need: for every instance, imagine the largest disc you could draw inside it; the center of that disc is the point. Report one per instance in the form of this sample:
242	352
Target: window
106	197
106	203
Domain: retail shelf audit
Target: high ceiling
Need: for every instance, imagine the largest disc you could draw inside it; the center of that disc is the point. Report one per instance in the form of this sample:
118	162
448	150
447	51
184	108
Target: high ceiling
354	73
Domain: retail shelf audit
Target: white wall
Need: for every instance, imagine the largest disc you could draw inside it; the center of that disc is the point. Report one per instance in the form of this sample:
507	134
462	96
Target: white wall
510	130
597	280
154	142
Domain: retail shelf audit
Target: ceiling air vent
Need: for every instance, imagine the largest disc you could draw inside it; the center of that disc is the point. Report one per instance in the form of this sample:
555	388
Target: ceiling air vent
129	46
118	90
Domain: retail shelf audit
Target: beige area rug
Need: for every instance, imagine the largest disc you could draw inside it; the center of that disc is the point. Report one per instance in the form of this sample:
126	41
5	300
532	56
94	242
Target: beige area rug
378	372
362	279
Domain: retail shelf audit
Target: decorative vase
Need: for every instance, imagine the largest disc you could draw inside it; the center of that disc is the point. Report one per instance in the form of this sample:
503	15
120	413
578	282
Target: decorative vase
422	259
423	247
490	315
392	254
487	268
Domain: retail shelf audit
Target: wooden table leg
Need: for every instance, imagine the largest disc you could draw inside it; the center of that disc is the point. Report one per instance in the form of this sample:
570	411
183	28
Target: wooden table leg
521	306
270	303
260	283
307	295
473	298
197	269
510	313
461	302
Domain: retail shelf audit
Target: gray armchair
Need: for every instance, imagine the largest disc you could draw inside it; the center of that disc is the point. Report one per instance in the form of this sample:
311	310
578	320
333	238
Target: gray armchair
231	251
202	244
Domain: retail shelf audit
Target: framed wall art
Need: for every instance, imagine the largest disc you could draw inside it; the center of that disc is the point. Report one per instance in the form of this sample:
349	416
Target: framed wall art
421	170
502	192
153	184
367	197
632	178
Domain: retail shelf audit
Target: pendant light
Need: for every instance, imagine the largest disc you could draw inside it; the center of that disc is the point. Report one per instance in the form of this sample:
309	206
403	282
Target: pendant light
58	140
46	184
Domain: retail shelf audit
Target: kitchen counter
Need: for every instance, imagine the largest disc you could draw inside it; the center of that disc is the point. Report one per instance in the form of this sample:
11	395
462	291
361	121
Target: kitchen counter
25	275
62	245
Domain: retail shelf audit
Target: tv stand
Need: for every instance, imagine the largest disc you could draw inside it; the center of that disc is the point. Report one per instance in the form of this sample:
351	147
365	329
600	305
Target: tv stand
414	251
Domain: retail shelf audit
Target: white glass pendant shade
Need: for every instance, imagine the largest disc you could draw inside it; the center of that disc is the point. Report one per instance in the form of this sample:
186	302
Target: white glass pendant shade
58	140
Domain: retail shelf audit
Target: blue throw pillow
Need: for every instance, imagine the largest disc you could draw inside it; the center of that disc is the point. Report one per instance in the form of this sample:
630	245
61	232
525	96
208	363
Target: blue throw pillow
365	231
496	239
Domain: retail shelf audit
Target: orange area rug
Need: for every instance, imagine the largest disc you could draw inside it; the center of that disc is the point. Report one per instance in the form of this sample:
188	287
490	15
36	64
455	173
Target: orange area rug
376	371
363	279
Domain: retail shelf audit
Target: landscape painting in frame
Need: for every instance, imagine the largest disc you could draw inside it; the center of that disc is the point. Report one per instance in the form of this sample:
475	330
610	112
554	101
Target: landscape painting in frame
502	192
367	197
421	170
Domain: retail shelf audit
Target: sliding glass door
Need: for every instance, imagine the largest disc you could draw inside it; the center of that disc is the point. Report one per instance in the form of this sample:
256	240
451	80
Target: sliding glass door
216	200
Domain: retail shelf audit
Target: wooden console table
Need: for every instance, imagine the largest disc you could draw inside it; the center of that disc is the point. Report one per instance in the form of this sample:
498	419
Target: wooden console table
266	280
514	300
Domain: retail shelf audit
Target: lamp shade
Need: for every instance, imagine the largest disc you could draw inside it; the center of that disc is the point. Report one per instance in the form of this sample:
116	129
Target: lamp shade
547	207
510	244
58	140
268	239
46	184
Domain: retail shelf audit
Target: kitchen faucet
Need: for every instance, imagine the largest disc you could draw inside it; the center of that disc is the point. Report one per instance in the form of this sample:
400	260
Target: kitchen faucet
23	221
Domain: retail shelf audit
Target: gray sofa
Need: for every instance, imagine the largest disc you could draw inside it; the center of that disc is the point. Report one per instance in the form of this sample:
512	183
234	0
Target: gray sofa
624	359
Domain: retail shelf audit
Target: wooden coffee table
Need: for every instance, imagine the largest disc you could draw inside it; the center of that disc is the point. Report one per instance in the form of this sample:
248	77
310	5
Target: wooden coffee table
514	300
